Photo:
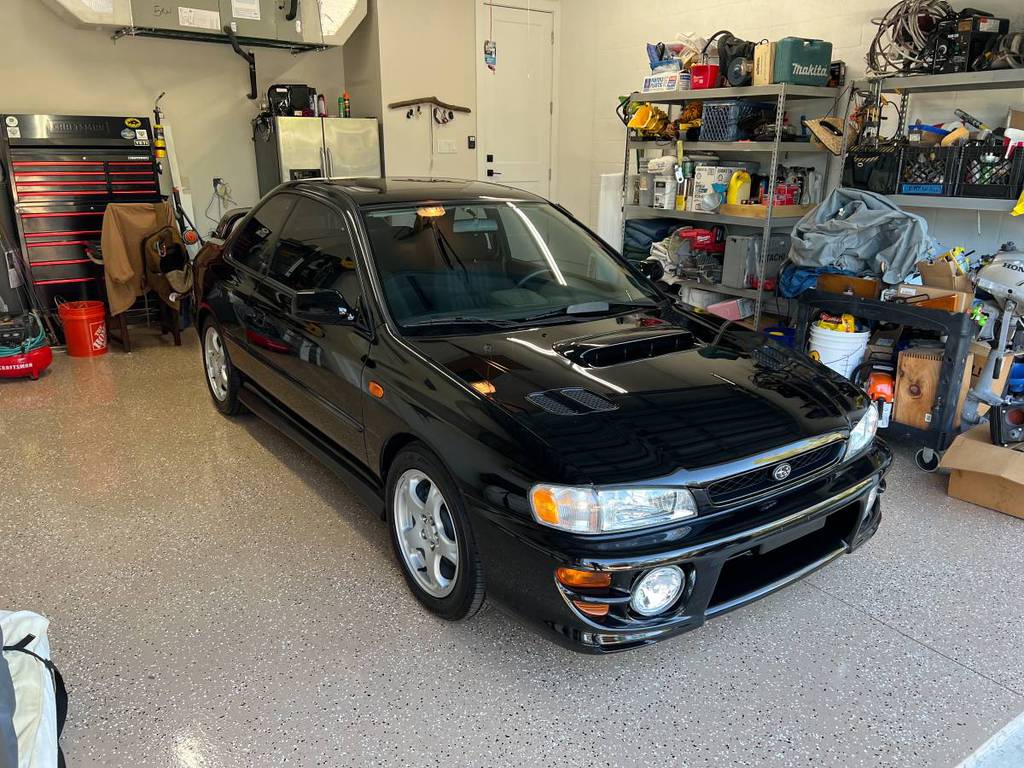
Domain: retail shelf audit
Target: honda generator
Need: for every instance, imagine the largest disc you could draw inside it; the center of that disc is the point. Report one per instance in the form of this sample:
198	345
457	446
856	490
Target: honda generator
24	350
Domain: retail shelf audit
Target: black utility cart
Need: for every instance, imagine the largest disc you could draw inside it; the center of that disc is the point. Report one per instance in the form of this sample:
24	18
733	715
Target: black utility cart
957	327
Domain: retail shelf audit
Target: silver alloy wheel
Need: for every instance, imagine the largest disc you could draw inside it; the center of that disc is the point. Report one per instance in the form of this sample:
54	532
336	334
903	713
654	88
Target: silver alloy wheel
426	533
216	364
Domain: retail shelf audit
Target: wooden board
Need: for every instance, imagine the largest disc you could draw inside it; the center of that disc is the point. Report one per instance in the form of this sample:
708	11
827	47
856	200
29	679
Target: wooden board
761	211
917	383
865	287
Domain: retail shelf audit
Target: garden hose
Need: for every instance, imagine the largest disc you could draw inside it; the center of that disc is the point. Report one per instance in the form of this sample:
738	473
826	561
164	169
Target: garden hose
37	341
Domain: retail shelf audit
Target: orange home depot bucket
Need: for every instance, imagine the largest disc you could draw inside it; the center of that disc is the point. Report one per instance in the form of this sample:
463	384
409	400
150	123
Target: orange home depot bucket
85	327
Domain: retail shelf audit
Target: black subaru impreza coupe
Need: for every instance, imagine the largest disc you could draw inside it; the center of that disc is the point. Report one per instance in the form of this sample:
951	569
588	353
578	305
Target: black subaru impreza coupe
544	426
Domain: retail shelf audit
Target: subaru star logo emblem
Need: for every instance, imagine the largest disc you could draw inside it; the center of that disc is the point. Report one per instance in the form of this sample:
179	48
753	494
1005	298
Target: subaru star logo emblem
782	471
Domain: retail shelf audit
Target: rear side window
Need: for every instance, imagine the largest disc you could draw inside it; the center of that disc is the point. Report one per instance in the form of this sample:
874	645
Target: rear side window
315	251
254	243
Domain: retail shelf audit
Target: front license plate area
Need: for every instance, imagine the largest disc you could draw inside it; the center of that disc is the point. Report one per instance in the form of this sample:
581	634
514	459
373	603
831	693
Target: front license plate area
791	535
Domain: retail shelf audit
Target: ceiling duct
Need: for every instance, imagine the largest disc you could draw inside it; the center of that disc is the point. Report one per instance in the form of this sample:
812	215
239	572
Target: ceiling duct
294	24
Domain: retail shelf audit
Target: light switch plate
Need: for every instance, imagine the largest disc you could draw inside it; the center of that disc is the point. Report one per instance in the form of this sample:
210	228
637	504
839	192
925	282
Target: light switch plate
445	147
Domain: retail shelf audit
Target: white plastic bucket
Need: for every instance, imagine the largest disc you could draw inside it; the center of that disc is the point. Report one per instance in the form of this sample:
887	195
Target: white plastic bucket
842	352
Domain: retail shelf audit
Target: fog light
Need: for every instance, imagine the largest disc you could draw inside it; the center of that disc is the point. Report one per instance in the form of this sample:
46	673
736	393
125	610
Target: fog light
657	590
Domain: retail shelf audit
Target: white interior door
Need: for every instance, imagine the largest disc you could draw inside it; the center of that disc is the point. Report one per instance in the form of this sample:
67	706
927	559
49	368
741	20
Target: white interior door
515	109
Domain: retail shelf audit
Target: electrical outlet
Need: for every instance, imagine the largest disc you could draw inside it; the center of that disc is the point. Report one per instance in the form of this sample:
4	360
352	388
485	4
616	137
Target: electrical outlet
445	147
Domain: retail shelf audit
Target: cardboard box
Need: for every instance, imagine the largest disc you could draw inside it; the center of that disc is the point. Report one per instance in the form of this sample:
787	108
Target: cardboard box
930	297
981	352
703	177
1014	116
917	385
941	274
764	63
985	474
734	309
865	287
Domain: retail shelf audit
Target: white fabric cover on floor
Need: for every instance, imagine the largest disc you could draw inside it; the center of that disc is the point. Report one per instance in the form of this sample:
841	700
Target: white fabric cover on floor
35	705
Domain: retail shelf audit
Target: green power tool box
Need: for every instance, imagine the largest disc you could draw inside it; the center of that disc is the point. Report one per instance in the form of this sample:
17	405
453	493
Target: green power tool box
802	61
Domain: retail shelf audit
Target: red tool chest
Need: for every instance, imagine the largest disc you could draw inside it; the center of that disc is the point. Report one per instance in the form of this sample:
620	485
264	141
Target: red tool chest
62	171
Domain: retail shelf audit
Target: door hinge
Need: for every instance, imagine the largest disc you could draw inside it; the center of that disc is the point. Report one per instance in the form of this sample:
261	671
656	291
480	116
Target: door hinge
551	107
549	174
552	37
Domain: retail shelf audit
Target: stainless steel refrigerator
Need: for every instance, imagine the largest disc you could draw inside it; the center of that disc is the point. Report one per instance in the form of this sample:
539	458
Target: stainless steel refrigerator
290	148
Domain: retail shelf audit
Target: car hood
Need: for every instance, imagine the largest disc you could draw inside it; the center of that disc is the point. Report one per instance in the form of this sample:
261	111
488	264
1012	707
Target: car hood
642	395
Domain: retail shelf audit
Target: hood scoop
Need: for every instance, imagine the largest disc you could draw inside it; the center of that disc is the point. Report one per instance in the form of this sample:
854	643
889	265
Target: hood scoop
625	346
572	401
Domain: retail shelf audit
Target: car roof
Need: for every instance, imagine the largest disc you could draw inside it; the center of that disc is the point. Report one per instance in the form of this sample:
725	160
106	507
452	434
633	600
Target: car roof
389	191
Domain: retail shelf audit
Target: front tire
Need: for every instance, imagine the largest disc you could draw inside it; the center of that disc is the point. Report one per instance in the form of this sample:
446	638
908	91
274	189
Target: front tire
222	377
431	535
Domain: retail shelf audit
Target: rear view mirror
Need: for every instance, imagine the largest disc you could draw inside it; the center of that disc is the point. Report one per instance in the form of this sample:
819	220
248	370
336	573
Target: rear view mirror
322	306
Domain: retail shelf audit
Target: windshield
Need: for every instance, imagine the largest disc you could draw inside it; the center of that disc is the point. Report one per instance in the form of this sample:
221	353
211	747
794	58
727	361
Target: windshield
502	262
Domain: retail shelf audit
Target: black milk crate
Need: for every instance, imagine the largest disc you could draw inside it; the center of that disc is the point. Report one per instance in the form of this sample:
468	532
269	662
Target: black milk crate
985	171
929	170
874	167
732	119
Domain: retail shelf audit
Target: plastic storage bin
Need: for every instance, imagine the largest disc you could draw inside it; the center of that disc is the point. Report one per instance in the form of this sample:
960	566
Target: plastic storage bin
929	171
732	119
802	61
985	171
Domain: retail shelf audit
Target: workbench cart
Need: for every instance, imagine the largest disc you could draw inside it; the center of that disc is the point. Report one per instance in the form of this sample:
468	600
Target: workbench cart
958	329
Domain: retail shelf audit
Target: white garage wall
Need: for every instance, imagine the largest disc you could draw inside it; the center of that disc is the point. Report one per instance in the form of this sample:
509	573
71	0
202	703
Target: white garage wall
49	66
603	56
408	49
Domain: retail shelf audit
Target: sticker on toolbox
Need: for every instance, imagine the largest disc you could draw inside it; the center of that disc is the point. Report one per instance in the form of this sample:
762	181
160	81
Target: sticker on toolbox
13	132
11	120
246	9
198	18
127	133
142	135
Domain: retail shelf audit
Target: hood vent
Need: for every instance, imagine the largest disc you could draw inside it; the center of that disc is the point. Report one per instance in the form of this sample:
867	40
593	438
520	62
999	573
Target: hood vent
626	346
573	401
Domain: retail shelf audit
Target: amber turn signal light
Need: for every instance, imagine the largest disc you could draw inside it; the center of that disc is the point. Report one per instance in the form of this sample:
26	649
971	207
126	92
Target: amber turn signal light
375	389
574	577
591	609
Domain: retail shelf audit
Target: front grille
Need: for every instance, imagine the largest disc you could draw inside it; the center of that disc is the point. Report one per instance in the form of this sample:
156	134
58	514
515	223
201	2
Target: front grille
761	481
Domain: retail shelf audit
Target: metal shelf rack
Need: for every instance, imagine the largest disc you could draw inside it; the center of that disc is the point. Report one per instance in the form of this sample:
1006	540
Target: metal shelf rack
780	93
905	85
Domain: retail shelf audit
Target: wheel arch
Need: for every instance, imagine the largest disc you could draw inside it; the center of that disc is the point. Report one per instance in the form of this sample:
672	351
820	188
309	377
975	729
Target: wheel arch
391	448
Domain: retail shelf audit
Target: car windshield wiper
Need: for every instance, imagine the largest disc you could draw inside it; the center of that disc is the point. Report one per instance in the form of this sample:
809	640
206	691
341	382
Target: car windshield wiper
463	320
590	308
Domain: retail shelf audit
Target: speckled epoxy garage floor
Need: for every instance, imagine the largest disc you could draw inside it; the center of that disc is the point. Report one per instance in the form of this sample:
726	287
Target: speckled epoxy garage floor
218	599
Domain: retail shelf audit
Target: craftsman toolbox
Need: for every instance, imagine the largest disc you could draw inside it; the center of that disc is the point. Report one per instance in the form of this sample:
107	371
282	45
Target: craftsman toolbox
62	172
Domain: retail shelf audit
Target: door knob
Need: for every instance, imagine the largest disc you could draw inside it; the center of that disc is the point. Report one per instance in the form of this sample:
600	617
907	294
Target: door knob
491	172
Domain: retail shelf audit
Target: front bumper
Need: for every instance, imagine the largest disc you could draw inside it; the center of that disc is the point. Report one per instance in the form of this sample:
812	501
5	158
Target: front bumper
729	560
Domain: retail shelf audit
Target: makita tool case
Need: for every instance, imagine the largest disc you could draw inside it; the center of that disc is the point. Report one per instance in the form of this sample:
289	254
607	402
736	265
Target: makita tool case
801	61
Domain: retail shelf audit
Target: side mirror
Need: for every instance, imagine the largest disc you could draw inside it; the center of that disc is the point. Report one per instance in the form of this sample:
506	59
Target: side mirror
652	269
325	306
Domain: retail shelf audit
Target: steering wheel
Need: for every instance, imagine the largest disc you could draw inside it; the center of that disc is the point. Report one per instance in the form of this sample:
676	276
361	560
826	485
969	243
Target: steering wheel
534	274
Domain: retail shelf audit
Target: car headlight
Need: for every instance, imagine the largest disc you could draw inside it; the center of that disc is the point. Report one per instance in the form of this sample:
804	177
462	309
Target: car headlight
595	510
862	434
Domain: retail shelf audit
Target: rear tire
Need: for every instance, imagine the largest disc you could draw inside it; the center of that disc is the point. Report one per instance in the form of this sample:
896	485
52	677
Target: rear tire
222	378
432	536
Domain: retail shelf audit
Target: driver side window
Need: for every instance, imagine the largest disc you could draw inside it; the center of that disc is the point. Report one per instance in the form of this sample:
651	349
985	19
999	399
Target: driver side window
316	251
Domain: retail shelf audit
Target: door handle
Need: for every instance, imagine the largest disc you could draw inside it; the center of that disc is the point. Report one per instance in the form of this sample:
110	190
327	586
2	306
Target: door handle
491	172
293	11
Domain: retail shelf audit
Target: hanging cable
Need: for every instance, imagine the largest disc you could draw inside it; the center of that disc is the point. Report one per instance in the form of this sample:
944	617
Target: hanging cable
905	41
